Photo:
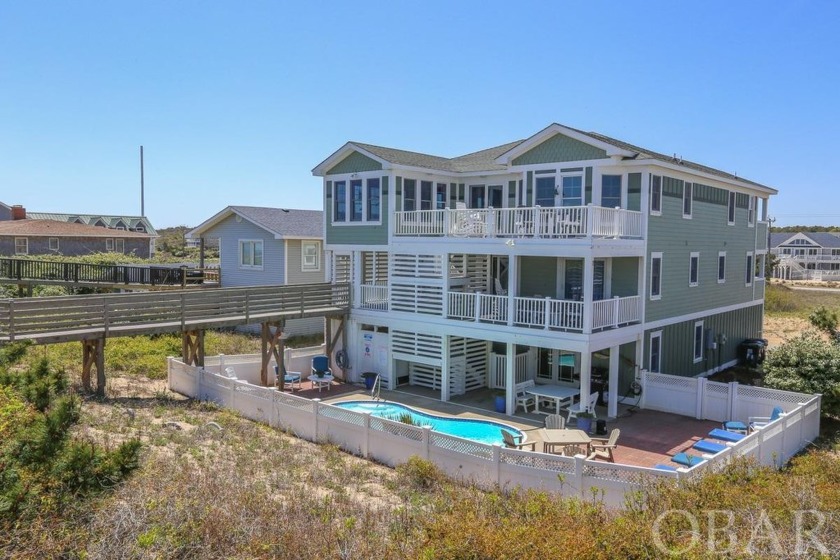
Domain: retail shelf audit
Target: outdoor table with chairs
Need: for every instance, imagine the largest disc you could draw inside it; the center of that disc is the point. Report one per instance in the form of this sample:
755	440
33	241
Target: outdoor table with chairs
562	439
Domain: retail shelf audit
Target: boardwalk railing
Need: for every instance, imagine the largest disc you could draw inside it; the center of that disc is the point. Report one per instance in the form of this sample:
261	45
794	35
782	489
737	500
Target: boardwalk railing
84	273
78	317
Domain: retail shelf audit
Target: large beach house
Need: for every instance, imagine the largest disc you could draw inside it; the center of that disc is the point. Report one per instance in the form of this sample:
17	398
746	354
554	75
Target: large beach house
569	258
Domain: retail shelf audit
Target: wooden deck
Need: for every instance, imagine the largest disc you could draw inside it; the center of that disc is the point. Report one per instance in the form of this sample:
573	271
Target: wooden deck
70	318
31	272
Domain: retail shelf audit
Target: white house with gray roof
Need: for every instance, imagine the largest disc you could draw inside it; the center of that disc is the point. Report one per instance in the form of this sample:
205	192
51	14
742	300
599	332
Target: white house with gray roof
269	246
806	255
569	258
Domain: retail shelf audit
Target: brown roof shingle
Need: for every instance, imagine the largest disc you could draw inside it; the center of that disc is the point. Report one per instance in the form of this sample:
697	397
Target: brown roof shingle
52	228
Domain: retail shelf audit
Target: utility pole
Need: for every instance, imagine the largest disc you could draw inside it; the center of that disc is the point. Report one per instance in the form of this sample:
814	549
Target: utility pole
142	194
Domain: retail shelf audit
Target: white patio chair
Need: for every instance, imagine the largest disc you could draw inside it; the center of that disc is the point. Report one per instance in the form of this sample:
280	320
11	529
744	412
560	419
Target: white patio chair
524	399
590	407
499	290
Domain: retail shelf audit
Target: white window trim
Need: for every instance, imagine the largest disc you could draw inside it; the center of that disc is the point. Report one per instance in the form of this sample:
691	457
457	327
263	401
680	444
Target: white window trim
751	211
57	244
734	208
109	245
239	243
721	280
762	255
348	198
654	256
691	257
303	244
652	211
119	245
658	335
559	188
25	244
690	197
700	324
749	262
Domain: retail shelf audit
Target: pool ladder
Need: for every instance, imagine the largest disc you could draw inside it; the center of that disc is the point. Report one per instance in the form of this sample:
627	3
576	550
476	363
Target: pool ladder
377	386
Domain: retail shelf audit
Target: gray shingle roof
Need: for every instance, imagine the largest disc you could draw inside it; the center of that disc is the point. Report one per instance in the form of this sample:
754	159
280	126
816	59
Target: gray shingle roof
91	219
285	221
821	238
482	160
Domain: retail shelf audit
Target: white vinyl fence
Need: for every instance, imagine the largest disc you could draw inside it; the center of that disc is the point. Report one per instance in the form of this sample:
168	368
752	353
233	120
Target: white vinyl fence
393	443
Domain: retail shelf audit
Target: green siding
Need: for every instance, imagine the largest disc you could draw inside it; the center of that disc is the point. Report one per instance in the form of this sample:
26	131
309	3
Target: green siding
559	148
625	276
355	163
707	233
587	186
634	191
678	341
359	234
541	277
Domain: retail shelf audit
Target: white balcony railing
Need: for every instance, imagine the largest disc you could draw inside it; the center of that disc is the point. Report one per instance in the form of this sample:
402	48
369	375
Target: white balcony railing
535	222
544	313
374	297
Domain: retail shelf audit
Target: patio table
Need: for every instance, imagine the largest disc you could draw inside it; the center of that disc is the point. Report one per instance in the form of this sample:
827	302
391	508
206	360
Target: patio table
559	394
562	438
320	382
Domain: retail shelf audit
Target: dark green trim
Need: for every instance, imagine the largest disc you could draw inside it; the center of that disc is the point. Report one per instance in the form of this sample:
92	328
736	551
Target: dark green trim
634	191
587	182
712	195
672	187
742	200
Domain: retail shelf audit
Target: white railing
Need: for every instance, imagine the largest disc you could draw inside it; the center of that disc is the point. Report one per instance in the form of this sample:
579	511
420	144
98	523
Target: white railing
543	313
393	443
611	313
374	297
524	368
533	222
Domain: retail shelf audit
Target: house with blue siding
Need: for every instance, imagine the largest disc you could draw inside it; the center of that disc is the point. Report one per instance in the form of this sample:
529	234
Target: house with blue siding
569	258
268	247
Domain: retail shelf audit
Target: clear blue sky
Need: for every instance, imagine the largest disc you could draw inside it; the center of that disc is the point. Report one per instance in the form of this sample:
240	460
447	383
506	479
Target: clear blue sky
236	102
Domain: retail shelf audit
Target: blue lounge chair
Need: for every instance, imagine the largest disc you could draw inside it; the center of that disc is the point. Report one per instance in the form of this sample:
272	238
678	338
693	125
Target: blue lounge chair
758	422
735	426
686	459
725	435
291	379
665	468
707	446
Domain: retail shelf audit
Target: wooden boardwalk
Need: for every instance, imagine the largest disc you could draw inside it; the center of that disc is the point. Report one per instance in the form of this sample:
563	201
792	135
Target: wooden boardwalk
73	318
30	272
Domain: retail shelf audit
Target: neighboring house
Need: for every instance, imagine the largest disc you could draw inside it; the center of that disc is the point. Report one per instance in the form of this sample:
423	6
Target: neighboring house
49	237
566	257
138	224
269	246
806	255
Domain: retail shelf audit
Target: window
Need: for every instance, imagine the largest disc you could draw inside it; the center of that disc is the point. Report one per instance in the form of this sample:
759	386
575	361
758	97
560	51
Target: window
572	190
611	191
545	190
356	206
698	341
687	200
251	253
731	215
373	199
310	256
655	362
109	244
655	275
340	201
21	245
750	272
655	195
721	267
426	195
751	214
760	261
440	196
694	269
119	245
477	196
53	243
409	195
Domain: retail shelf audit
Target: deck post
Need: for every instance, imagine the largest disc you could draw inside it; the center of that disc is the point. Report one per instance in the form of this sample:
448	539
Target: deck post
271	347
93	355
192	347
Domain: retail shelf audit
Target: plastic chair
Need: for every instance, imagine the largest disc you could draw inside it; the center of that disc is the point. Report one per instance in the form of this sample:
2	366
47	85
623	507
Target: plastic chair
604	450
512	443
555	422
499	290
523	399
230	372
573	412
321	366
291	379
758	422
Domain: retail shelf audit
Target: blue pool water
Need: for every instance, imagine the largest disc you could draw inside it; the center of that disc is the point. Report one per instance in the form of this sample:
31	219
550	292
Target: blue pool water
484	431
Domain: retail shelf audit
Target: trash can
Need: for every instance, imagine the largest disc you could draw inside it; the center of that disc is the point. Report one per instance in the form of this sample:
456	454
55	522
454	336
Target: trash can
751	351
370	379
600	427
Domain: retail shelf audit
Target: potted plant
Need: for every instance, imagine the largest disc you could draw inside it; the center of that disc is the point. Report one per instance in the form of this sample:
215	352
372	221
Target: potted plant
370	378
584	421
500	401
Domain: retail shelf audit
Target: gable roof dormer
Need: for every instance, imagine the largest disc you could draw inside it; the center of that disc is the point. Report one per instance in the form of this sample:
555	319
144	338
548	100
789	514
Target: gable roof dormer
556	143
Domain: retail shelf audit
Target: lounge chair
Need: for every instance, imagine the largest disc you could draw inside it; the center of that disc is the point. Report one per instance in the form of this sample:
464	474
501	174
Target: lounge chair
321	366
604	449
590	407
291	379
758	422
725	435
687	459
662	467
468	223
555	422
512	443
707	446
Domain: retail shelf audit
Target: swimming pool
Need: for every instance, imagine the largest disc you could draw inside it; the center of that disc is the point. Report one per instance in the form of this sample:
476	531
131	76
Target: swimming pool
484	431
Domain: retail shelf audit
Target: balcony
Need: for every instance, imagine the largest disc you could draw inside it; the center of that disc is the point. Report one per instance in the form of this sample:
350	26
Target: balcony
374	296
544	313
537	223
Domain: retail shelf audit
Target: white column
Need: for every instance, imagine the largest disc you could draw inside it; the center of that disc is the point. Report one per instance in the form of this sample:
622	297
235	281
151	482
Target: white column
447	273
585	375
588	290
357	278
510	368
444	369
612	403
513	284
